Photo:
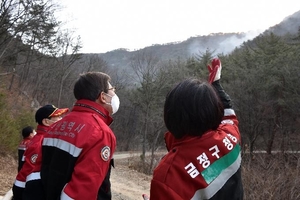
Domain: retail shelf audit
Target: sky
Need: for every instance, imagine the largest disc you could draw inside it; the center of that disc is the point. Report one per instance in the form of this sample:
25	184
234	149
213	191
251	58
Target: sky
106	25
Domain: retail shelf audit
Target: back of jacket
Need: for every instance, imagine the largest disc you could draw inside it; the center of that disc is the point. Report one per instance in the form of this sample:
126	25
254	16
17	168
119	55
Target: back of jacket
21	149
206	167
32	163
77	153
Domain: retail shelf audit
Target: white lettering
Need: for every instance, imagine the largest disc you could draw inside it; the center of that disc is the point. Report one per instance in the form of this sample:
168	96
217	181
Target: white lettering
203	160
191	170
215	153
227	143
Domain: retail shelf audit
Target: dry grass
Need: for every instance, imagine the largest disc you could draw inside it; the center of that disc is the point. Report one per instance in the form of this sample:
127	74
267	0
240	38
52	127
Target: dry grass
271	177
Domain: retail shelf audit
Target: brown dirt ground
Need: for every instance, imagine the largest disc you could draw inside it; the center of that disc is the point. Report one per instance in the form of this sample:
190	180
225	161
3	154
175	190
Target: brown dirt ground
127	184
8	172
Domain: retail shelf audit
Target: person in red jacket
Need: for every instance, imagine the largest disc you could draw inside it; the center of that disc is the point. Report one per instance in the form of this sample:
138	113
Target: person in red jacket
27	133
78	149
203	142
29	175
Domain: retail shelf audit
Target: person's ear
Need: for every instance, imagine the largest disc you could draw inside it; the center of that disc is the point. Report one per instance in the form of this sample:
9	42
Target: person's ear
102	98
46	122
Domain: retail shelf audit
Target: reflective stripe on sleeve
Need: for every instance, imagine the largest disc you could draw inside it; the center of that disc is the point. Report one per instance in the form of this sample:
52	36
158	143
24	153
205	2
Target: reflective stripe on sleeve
63	145
33	176
20	184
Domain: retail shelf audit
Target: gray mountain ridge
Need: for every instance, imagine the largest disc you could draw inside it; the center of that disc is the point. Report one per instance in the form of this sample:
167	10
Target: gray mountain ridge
217	42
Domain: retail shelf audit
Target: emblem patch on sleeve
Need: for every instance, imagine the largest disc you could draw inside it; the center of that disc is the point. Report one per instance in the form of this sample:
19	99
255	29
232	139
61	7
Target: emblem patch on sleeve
33	158
105	153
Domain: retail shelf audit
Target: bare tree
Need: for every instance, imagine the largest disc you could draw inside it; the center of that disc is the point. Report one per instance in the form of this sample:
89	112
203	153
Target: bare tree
66	55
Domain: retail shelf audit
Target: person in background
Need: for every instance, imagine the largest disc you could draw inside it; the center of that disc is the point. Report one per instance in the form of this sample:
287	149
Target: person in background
28	184
27	133
78	149
203	142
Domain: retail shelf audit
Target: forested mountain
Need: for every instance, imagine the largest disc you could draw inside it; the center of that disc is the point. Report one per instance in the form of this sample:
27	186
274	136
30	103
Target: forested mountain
217	42
289	25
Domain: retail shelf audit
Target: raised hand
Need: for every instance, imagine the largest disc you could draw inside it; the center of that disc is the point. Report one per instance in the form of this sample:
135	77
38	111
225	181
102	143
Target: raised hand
214	70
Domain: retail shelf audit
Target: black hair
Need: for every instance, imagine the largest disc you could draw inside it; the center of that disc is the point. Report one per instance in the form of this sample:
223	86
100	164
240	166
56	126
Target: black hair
90	85
192	107
26	131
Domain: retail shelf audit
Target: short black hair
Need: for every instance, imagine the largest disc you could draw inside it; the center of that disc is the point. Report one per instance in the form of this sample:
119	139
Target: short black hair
192	107
26	131
90	85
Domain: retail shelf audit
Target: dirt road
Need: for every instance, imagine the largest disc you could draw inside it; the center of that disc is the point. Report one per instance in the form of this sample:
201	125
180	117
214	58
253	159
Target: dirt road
128	184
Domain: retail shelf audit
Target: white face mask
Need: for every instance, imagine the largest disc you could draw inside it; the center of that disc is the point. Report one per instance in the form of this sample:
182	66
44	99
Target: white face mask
115	103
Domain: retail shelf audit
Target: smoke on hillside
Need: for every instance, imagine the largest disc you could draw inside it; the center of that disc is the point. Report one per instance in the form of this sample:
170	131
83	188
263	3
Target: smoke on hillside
225	46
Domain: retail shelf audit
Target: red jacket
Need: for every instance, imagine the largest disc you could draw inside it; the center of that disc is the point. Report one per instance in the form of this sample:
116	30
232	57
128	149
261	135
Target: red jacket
21	149
206	167
32	165
77	153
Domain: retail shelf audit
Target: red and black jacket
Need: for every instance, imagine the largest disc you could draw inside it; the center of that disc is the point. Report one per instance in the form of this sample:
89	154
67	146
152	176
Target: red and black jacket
30	170
77	153
21	149
204	167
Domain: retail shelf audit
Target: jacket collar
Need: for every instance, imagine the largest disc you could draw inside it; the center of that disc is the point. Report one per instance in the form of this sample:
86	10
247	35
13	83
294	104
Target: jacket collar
41	129
93	107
